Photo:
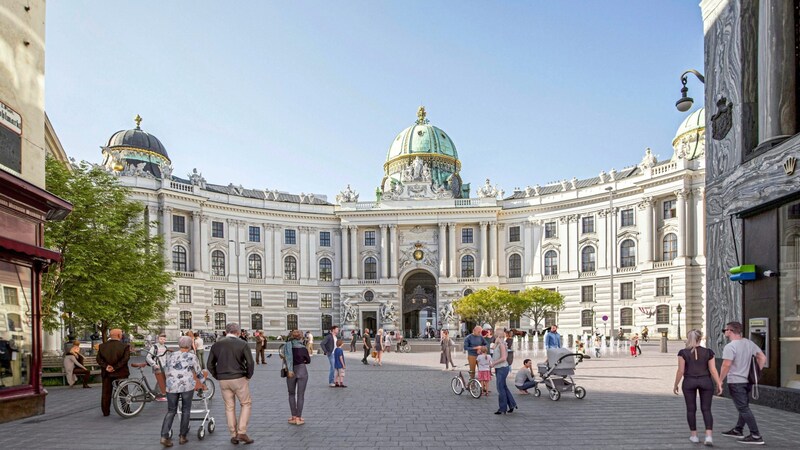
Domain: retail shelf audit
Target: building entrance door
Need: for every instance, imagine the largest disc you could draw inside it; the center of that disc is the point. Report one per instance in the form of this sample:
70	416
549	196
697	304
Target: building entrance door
369	320
420	313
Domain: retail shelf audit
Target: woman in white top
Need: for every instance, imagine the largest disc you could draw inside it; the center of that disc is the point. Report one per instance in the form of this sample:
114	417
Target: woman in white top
200	349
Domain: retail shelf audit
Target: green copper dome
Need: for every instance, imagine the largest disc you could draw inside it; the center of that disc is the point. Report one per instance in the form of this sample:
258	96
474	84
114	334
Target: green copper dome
422	138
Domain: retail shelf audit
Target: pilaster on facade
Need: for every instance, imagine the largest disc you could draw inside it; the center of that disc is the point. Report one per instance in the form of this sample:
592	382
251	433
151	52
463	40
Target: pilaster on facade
354	260
195	242
384	250
345	252
394	246
313	265
442	249
337	257
451	251
681	216
493	251
483	253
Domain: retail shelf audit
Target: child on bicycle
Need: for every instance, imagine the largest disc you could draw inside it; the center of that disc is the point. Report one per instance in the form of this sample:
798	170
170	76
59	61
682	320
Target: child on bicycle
484	369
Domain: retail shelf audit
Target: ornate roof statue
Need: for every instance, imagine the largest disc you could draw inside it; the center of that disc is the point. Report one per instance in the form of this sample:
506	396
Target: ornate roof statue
487	191
649	160
196	178
347	196
421	120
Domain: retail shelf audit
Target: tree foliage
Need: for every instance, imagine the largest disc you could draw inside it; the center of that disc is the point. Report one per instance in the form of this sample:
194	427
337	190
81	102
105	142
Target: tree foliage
540	301
112	271
491	305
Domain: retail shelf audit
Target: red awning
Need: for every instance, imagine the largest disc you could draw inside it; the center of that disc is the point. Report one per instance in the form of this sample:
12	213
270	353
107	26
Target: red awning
28	250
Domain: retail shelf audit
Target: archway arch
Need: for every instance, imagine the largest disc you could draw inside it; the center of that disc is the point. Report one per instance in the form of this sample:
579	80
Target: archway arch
419	308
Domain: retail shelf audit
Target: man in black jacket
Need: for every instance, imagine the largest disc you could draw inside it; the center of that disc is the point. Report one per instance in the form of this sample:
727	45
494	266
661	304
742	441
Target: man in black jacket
231	362
112	357
328	346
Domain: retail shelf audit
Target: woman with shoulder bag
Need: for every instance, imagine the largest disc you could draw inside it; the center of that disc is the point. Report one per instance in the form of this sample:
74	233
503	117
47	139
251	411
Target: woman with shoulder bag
296	356
697	367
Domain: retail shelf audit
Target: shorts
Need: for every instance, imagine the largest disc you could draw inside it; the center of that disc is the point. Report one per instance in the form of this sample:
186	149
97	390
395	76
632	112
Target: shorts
484	375
340	372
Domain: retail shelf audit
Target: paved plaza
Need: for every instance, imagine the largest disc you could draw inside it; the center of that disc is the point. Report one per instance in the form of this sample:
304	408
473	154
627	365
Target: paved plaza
407	403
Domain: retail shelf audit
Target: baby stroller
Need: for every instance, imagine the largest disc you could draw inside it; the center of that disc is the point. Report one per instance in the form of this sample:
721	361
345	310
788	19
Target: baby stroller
557	373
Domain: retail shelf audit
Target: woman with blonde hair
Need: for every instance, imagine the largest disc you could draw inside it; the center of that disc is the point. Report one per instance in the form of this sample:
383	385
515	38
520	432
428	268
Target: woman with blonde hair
698	369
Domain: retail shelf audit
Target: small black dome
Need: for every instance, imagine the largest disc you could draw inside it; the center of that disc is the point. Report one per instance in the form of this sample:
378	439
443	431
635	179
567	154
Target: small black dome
137	138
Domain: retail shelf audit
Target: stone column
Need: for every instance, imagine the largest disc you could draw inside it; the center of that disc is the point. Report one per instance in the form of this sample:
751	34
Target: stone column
484	249
502	258
337	254
536	231
345	252
776	70
602	236
394	249
354	238
196	245
204	253
528	248
646	228
681	200
166	230
563	239
269	260
442	250
277	235
313	267
493	249
572	251
688	224
451	249
384	251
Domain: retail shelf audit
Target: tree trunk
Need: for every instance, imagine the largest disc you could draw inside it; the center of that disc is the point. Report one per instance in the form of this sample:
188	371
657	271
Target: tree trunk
103	332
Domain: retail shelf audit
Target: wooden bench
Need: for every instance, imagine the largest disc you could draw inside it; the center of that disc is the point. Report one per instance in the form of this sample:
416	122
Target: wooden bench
57	362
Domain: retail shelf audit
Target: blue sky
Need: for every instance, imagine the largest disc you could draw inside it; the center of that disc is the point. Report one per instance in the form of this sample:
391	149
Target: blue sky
306	96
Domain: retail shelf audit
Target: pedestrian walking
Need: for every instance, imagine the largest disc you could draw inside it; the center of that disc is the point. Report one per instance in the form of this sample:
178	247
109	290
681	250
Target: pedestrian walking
231	362
501	368
73	366
156	358
698	369
339	363
598	344
552	339
388	341
446	357
472	344
295	356
525	378
378	348
353	338
328	346
738	357
112	357
261	346
199	349
367	345
634	344
183	375
638	345
309	341
645	334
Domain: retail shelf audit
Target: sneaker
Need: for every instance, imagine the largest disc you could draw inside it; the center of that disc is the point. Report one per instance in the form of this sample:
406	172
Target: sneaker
708	442
161	399
734	433
332	384
694	439
752	440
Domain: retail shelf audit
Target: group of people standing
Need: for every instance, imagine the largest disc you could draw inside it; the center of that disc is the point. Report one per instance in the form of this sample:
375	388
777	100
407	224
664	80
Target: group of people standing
484	355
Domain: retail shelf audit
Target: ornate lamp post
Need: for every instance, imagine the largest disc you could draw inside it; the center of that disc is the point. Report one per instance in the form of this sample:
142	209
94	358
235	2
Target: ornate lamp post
207	317
679	309
685	101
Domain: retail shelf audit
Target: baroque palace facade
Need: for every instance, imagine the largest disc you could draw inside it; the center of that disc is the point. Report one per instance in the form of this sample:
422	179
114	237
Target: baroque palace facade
277	261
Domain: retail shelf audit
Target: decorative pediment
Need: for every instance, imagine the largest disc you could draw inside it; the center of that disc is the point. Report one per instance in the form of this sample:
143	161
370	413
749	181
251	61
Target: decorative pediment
551	246
588	240
628	234
180	240
515	249
325	254
668	228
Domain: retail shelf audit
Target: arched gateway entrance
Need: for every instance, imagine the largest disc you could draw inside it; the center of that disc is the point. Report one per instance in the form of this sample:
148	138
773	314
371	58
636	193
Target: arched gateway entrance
419	304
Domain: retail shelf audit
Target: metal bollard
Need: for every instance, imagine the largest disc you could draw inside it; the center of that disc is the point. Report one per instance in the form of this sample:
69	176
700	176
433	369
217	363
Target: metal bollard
663	342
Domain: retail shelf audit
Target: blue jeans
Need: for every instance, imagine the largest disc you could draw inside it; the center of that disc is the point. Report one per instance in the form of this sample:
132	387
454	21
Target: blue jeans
506	399
172	409
333	370
527	385
740	393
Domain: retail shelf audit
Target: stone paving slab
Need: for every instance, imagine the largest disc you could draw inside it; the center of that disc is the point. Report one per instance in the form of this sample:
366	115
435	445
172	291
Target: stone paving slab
407	403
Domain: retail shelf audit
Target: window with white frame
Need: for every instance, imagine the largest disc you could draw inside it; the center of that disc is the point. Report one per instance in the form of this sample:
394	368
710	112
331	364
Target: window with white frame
219	321
369	238
254	266
627	253
669	209
326	300
662	287
184	294
626	290
466	235
290	237
291	299
370	268
467	266
186	320
551	262
219	297
587	293
588	259
587	224
217	229
549	230
254	234
514	266
662	315
178	224
513	234
325	270
290	268
218	263
324	238
670	247
626	216
179	259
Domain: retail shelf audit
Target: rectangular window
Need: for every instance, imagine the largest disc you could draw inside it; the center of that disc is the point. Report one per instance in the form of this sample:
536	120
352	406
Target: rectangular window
549	230
217	229
513	234
369	238
256	322
626	217
255	298
662	287
179	224
324	238
626	291
587	224
371	269
219	297
326	301
549	317
626	317
587	293
219	321
186	320
513	322
291	322
289	237
326	322
669	209
466	235
184	294
291	299
788	243
254	234
11	296
662	315
586	318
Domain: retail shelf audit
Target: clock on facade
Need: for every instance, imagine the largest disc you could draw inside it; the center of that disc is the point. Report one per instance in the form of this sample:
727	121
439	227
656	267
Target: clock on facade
418	254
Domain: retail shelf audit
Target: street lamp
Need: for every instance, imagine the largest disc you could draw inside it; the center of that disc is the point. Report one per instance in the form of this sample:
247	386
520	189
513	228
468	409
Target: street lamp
238	281
685	101
679	309
207	317
613	241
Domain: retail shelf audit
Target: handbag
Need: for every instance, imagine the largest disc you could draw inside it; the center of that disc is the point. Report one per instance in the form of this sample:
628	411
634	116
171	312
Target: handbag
284	372
374	354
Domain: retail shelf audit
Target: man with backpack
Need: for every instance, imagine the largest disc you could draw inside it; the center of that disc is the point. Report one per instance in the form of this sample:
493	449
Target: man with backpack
742	364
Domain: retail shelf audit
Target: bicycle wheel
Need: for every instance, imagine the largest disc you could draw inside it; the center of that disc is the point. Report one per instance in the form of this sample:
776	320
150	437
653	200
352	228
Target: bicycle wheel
457	385
475	388
405	348
129	398
211	388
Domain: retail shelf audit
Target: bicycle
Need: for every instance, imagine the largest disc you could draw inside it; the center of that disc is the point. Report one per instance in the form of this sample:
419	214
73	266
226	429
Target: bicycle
403	346
458	385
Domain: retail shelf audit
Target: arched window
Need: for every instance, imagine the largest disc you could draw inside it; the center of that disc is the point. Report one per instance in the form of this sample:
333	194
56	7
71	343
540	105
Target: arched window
326	322
218	263
325	270
256	322
254	266
291	322
551	263
467	292
370	268
467	266
514	266
626	317
179	258
219	321
627	253
588	259
290	270
670	246
586	318
662	314
186	320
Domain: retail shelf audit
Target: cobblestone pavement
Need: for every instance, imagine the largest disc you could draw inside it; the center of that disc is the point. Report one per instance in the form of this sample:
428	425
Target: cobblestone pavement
408	403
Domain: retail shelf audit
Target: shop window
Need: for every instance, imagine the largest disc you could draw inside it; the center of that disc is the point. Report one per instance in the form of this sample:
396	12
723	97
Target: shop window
16	334
789	295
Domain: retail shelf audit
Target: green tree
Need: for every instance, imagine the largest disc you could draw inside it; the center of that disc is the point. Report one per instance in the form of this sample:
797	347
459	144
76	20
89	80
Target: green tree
112	272
491	305
540	301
